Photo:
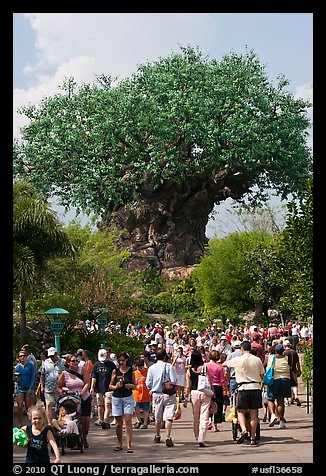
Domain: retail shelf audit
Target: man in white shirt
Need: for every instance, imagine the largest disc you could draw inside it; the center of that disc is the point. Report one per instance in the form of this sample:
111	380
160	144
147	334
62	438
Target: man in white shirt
163	405
249	371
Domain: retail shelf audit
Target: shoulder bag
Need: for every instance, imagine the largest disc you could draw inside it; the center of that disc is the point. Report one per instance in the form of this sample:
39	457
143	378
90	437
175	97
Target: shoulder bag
204	384
268	378
167	386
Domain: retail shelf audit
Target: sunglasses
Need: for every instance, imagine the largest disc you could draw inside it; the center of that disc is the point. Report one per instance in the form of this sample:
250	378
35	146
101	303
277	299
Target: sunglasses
74	360
22	356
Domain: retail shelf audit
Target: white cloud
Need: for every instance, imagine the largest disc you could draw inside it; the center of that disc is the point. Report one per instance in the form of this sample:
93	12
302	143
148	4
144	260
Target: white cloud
83	45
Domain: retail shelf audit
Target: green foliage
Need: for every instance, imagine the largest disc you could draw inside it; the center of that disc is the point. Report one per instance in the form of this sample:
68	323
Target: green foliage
119	343
307	366
294	272
180	118
230	279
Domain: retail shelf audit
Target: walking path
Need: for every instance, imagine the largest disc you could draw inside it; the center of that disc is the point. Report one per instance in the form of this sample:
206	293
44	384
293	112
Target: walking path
291	445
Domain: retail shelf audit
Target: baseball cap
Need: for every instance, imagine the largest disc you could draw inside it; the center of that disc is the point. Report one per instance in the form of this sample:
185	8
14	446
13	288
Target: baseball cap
279	348
102	354
153	342
52	351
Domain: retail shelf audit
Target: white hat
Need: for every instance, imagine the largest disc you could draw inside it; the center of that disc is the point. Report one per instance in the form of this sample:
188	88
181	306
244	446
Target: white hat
153	342
102	354
52	351
286	342
236	343
223	337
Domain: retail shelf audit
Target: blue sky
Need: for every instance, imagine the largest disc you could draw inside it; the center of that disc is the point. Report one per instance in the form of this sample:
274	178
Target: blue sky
49	46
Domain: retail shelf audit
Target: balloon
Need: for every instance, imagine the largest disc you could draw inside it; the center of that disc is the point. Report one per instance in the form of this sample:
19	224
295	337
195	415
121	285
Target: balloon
20	437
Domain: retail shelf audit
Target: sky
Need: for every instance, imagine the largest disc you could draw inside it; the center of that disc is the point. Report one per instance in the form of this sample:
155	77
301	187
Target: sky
47	47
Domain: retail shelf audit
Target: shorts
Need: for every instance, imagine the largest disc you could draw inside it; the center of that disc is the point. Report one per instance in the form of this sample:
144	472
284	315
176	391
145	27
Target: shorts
144	405
163	406
249	400
86	407
104	398
122	406
281	388
294	379
23	391
51	397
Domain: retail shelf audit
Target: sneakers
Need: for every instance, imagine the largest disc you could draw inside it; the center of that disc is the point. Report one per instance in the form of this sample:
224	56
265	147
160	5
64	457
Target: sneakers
143	427
297	401
286	402
274	420
202	445
169	443
98	422
105	426
137	425
157	439
282	424
244	436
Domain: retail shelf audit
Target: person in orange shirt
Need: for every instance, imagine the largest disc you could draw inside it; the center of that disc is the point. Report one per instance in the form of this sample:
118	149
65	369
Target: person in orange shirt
88	364
142	396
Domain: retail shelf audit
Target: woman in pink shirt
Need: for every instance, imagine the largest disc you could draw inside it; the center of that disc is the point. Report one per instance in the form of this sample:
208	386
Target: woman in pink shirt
216	373
76	379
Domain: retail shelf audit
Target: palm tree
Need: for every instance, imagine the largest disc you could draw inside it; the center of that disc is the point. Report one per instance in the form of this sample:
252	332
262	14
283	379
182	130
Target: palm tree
38	236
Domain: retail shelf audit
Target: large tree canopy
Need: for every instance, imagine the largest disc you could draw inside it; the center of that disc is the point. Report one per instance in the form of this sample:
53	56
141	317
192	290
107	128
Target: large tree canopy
155	152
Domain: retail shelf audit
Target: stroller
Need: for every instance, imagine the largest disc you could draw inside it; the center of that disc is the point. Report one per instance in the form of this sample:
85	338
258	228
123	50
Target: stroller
233	417
71	402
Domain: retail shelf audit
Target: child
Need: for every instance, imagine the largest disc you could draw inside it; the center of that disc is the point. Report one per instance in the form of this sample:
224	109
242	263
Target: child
39	436
65	422
142	397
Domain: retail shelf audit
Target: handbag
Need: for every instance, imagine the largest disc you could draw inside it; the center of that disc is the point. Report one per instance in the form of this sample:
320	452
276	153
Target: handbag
168	387
213	407
268	378
204	385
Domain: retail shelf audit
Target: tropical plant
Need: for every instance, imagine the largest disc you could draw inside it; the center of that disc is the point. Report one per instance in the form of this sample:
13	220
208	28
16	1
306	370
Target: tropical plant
38	235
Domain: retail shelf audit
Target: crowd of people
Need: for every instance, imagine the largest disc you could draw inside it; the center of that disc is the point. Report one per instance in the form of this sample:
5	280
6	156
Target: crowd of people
118	389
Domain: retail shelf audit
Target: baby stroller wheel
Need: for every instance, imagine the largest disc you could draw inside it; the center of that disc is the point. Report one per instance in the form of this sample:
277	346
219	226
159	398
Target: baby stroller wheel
63	450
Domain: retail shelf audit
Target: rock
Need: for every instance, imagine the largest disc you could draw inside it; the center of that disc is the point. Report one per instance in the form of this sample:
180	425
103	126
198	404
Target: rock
179	272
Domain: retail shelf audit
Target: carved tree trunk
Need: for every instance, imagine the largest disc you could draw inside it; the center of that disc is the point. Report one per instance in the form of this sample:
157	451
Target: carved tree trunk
166	228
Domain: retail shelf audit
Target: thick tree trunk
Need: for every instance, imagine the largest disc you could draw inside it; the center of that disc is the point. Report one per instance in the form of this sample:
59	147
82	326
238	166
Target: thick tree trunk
166	228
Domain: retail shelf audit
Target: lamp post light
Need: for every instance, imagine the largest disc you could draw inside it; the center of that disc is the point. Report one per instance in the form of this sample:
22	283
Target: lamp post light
56	325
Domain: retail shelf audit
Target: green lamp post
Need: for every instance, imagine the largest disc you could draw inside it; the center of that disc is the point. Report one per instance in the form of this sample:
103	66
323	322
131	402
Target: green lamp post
102	322
56	325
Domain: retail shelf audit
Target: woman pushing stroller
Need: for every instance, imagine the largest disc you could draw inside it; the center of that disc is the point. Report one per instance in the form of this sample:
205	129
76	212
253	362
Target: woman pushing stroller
76	379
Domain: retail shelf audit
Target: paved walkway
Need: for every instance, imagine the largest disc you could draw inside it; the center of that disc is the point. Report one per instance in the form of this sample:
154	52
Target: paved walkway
291	445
